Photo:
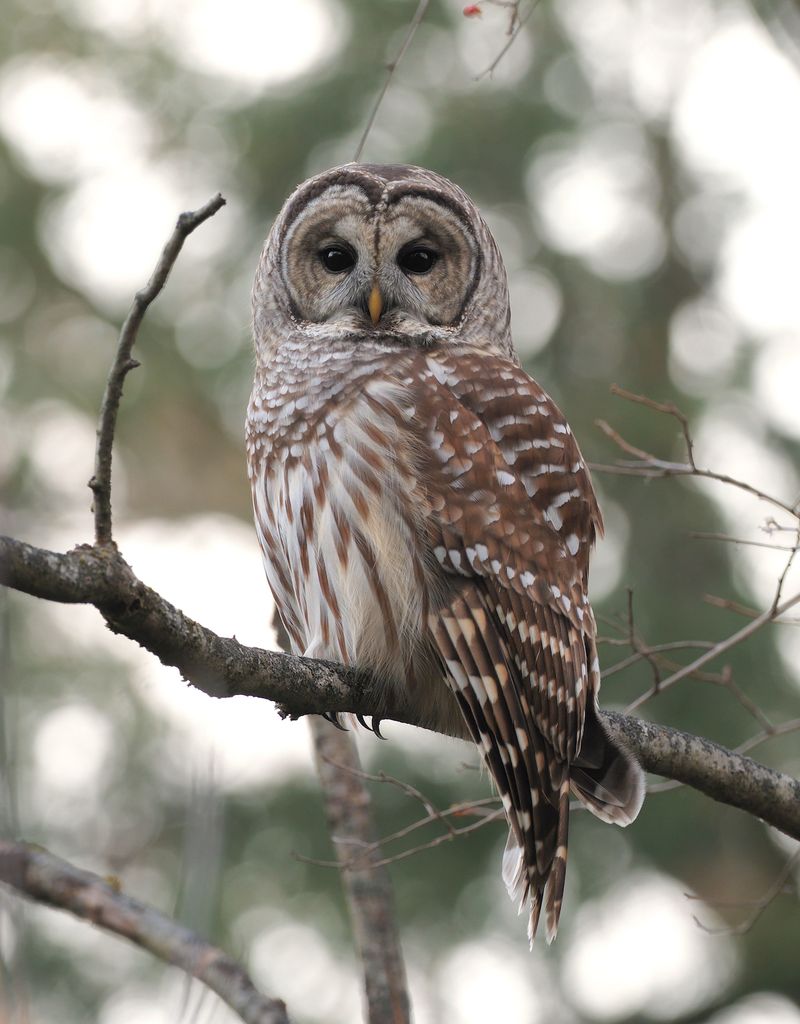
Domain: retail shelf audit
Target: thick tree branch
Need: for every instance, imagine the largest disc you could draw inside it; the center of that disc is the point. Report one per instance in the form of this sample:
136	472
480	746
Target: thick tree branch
223	667
47	879
712	769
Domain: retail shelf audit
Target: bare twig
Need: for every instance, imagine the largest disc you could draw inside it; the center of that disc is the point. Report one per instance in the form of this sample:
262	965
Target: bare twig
368	887
100	483
667	408
517	24
714	652
47	879
760	904
782	578
649	650
775	610
416	21
487	809
793	725
650	466
700	535
742	609
404	787
445	837
654	654
639	647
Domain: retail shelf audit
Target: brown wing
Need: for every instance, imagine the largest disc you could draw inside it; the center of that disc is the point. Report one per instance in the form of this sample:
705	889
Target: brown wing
513	519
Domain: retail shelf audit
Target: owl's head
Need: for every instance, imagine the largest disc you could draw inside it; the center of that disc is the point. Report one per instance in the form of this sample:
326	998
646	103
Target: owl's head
389	254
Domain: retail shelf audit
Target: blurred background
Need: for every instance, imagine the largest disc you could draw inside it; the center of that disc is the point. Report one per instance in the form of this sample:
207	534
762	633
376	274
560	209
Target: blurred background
639	164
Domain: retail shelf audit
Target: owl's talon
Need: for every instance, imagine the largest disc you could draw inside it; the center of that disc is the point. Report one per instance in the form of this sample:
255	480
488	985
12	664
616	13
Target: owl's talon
376	728
362	721
333	718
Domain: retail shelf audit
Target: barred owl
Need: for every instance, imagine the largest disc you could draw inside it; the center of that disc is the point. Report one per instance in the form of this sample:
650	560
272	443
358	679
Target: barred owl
422	506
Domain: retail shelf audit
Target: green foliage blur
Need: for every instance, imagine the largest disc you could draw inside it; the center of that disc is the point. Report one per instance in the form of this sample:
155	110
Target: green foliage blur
221	857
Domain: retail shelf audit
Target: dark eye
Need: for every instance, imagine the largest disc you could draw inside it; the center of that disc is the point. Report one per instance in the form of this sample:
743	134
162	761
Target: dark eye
418	260
336	258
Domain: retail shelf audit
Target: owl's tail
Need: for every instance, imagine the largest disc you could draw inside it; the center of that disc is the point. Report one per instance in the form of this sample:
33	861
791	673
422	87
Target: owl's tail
609	782
605	777
527	885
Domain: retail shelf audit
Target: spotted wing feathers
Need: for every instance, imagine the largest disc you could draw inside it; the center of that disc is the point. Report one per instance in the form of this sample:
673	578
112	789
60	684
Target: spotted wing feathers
513	518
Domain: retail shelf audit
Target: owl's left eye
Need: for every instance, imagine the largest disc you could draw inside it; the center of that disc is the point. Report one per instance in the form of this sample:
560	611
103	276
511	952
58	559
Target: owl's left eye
419	260
336	258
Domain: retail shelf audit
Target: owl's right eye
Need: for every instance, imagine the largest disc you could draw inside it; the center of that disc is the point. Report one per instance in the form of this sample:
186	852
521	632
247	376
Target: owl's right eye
336	258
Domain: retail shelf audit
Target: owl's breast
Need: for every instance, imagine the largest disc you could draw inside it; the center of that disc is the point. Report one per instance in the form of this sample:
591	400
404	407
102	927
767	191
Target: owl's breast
341	522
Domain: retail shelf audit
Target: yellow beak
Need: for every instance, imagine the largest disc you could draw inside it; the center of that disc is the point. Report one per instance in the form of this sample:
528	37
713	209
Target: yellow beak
375	304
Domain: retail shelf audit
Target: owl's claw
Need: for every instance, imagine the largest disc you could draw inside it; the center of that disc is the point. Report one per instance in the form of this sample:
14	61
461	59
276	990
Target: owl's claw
333	718
374	726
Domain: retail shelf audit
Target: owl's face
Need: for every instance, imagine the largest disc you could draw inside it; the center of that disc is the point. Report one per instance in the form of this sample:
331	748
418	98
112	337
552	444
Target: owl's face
371	252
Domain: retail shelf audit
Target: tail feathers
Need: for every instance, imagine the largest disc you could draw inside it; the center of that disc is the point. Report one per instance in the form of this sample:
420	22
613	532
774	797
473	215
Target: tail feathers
605	777
527	886
515	873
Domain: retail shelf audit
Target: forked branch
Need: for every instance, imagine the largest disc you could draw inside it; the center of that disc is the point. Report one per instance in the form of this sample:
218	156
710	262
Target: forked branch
646	464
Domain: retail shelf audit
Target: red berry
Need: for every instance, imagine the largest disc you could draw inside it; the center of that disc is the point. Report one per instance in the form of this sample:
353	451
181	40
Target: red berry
472	11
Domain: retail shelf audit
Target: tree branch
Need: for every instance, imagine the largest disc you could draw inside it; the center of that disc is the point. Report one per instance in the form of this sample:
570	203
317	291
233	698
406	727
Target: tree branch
223	667
367	884
712	769
100	483
651	466
416	21
47	879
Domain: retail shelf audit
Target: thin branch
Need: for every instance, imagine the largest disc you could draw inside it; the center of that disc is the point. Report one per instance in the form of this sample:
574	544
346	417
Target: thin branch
649	650
700	535
223	667
487	808
100	483
793	725
445	837
654	654
404	787
667	408
650	466
47	879
357	859
368	887
760	904
724	645
782	578
775	610
416	21
517	25
742	609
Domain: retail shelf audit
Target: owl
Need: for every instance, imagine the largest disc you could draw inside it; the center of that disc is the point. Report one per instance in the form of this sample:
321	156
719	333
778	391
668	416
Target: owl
422	506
